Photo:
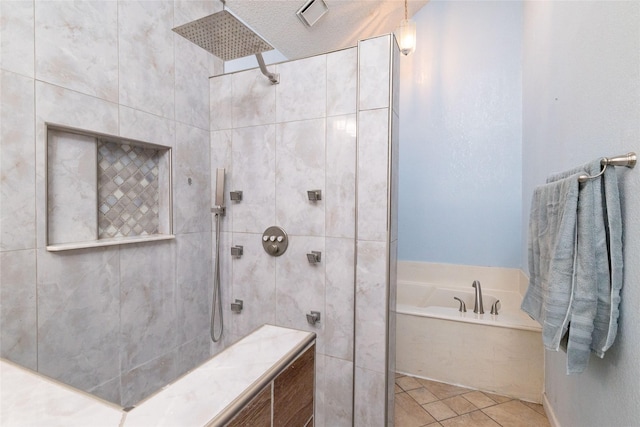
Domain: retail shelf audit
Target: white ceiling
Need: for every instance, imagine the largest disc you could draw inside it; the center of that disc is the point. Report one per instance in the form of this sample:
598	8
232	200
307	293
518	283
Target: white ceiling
346	22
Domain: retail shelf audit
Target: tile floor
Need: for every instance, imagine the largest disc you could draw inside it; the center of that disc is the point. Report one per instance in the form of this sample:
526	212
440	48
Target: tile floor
427	403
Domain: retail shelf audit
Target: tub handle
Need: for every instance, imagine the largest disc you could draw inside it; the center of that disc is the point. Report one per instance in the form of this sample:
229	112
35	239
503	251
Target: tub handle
494	307
463	306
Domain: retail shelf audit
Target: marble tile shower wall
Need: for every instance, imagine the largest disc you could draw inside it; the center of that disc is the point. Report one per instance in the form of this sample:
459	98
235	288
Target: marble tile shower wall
277	142
377	231
116	321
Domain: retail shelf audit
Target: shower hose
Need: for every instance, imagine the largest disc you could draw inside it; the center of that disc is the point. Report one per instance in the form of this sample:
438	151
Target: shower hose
216	304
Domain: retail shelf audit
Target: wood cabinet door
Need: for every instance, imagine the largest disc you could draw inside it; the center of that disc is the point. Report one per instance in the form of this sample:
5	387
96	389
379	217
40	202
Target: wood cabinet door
256	413
293	392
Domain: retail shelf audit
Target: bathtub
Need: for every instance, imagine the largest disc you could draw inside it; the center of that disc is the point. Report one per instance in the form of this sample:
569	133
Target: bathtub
500	354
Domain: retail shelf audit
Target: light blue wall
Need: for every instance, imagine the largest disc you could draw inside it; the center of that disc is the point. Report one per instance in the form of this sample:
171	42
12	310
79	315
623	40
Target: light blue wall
461	136
582	101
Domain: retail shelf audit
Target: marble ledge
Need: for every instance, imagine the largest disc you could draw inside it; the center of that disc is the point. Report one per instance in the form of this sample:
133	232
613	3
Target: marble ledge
30	399
58	247
207	396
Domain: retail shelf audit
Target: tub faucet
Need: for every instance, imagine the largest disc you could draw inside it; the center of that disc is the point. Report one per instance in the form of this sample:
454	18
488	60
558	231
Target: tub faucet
494	307
463	306
477	308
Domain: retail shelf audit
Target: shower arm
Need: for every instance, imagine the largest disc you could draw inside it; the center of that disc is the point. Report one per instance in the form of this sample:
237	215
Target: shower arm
274	78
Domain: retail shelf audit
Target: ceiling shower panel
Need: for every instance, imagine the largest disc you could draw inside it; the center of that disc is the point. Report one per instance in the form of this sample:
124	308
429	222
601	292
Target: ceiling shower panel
223	35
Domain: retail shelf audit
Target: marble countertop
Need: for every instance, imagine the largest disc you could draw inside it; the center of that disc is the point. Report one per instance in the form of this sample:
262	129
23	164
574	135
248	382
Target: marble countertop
208	395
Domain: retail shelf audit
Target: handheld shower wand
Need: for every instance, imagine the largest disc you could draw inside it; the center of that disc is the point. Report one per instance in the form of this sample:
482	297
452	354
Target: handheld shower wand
219	208
216	304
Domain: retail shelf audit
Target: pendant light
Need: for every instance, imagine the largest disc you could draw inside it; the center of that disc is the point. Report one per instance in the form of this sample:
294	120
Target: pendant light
406	33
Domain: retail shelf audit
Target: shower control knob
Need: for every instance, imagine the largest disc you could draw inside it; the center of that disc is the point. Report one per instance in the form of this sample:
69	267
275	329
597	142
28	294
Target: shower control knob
275	241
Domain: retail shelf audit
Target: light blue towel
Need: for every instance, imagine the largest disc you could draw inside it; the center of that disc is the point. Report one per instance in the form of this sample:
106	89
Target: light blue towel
606	322
552	242
591	268
594	307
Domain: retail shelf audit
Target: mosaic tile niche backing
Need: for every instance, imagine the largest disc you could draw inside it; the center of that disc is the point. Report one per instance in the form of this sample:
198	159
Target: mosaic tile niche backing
128	194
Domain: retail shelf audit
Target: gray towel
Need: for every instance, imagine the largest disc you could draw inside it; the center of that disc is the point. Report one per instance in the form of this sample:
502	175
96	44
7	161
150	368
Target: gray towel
591	268
606	322
594	310
552	241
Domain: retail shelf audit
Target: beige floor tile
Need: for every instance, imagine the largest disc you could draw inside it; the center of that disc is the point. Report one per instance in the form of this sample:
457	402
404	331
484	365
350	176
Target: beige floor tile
479	399
535	406
439	410
408	383
472	419
515	414
455	406
409	414
422	395
442	390
460	405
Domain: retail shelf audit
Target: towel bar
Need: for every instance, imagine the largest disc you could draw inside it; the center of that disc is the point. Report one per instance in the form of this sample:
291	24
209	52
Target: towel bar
627	160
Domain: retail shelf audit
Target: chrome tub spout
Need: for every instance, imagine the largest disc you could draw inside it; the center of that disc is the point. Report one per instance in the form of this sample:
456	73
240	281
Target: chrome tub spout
478	308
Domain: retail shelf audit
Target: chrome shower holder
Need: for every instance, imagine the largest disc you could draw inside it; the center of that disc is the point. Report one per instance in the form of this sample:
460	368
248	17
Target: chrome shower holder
219	210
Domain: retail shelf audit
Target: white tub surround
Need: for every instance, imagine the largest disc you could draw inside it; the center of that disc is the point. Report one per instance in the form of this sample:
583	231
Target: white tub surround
504	361
209	395
501	353
454	275
421	299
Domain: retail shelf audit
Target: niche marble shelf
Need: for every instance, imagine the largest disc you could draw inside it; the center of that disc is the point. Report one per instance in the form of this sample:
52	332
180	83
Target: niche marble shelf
103	190
108	242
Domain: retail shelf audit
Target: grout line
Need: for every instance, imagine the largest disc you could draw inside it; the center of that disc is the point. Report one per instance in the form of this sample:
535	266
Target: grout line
491	418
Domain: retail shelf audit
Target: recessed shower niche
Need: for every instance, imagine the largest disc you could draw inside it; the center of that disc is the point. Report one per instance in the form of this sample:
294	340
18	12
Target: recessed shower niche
105	190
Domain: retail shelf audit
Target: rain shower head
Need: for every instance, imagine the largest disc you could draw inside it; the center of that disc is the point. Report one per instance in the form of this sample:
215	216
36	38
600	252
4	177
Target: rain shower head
228	38
223	35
